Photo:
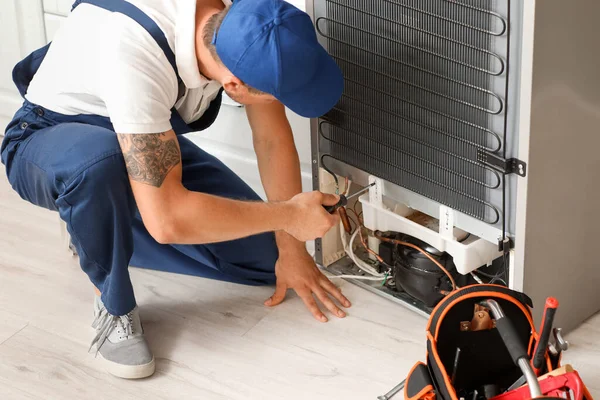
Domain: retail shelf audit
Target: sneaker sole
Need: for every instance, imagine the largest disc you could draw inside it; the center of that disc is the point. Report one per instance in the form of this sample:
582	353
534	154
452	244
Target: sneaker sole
128	371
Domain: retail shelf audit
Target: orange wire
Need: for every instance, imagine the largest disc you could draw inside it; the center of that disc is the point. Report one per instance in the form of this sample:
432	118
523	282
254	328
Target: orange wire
355	214
366	246
356	223
362	239
400	242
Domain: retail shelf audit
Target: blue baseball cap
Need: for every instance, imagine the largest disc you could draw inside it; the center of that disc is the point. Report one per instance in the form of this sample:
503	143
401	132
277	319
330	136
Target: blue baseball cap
272	46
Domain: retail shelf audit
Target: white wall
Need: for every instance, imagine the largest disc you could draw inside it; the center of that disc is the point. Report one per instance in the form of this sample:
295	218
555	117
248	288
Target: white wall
21	31
230	139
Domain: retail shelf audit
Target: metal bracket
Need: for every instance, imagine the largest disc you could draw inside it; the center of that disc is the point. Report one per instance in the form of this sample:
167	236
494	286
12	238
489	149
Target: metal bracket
506	166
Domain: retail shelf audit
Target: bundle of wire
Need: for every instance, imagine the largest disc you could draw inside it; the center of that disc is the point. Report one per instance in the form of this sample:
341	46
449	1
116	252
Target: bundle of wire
373	274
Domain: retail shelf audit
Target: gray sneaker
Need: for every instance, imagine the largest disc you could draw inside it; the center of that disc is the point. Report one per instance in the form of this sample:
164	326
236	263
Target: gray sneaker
120	343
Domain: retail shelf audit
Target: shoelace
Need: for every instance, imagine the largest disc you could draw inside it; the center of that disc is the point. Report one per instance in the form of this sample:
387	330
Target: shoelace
105	323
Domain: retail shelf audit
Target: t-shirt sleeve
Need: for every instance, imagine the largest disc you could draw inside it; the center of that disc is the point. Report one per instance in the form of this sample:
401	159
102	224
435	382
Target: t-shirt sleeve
139	88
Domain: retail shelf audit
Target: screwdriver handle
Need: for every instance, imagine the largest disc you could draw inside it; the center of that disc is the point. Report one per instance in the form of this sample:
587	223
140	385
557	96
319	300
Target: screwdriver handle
341	203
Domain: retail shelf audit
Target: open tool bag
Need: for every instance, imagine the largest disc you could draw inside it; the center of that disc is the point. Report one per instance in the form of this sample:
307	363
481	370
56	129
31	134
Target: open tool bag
480	340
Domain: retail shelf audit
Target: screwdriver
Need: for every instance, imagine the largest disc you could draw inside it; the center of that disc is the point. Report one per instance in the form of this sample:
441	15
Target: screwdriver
344	200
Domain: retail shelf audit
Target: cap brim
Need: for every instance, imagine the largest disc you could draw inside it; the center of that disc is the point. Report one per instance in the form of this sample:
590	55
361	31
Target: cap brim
321	94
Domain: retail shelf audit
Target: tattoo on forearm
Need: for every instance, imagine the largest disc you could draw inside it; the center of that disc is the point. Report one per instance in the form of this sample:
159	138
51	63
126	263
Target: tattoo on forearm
148	157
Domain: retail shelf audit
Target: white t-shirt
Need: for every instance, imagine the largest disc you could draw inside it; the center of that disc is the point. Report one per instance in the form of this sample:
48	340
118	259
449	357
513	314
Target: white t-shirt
106	64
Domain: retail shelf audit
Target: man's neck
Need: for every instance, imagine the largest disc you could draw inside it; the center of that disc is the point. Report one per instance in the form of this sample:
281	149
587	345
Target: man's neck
206	62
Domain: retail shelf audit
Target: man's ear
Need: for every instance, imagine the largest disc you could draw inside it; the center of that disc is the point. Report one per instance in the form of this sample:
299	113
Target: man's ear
233	85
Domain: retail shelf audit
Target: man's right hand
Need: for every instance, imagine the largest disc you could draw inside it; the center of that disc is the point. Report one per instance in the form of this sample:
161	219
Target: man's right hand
308	218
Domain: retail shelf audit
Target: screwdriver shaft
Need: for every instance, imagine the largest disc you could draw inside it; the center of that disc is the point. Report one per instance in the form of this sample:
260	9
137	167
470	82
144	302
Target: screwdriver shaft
361	191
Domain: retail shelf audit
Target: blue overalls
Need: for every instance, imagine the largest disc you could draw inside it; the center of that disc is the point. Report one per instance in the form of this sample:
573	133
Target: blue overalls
74	165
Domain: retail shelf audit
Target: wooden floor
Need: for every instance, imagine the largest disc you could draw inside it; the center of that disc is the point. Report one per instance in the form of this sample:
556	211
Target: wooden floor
211	340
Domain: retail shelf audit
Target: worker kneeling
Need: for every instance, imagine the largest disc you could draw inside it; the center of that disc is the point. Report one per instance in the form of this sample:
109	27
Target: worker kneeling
98	139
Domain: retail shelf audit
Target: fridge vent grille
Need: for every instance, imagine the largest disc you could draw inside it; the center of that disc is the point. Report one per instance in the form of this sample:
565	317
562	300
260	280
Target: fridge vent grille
425	89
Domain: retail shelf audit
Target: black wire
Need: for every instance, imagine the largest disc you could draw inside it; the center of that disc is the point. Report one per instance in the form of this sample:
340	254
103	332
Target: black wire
504	237
492	278
335	178
502	274
356	212
503	207
498	280
505	266
484	274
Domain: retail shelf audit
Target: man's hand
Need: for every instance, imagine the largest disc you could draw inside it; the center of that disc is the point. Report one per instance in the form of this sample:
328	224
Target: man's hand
296	270
308	219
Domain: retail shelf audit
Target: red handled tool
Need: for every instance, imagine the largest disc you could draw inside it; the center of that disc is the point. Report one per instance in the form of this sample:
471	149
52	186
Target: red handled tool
541	347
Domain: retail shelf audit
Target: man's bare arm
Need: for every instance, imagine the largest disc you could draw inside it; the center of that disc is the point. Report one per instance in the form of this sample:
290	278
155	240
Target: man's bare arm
173	214
280	174
277	156
150	158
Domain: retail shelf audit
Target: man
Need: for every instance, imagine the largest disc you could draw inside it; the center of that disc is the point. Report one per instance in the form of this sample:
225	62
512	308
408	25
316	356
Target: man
150	70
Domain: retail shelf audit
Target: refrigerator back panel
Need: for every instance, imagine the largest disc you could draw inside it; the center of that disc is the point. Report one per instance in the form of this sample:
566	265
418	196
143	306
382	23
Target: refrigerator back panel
425	93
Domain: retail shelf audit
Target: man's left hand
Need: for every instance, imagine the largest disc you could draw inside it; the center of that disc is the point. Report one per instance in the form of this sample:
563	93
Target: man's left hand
296	270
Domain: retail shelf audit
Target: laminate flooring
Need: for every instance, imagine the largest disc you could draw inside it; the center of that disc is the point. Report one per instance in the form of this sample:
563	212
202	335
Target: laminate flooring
211	340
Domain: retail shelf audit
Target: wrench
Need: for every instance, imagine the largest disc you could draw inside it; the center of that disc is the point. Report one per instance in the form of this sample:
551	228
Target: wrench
560	343
392	392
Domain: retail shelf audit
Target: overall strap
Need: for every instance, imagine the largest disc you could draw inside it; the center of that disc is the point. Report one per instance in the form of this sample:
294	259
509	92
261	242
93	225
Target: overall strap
128	9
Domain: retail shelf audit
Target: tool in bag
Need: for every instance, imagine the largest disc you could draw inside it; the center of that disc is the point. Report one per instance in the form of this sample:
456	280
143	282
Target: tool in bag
482	344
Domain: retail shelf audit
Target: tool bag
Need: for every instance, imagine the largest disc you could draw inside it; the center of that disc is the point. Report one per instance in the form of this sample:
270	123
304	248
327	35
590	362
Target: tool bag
483	362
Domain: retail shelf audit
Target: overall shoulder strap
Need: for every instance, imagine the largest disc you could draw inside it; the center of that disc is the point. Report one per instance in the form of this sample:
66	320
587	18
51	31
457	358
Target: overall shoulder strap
128	9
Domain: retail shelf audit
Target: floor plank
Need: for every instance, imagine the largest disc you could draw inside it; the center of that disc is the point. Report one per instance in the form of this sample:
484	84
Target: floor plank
584	353
10	392
10	325
55	369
